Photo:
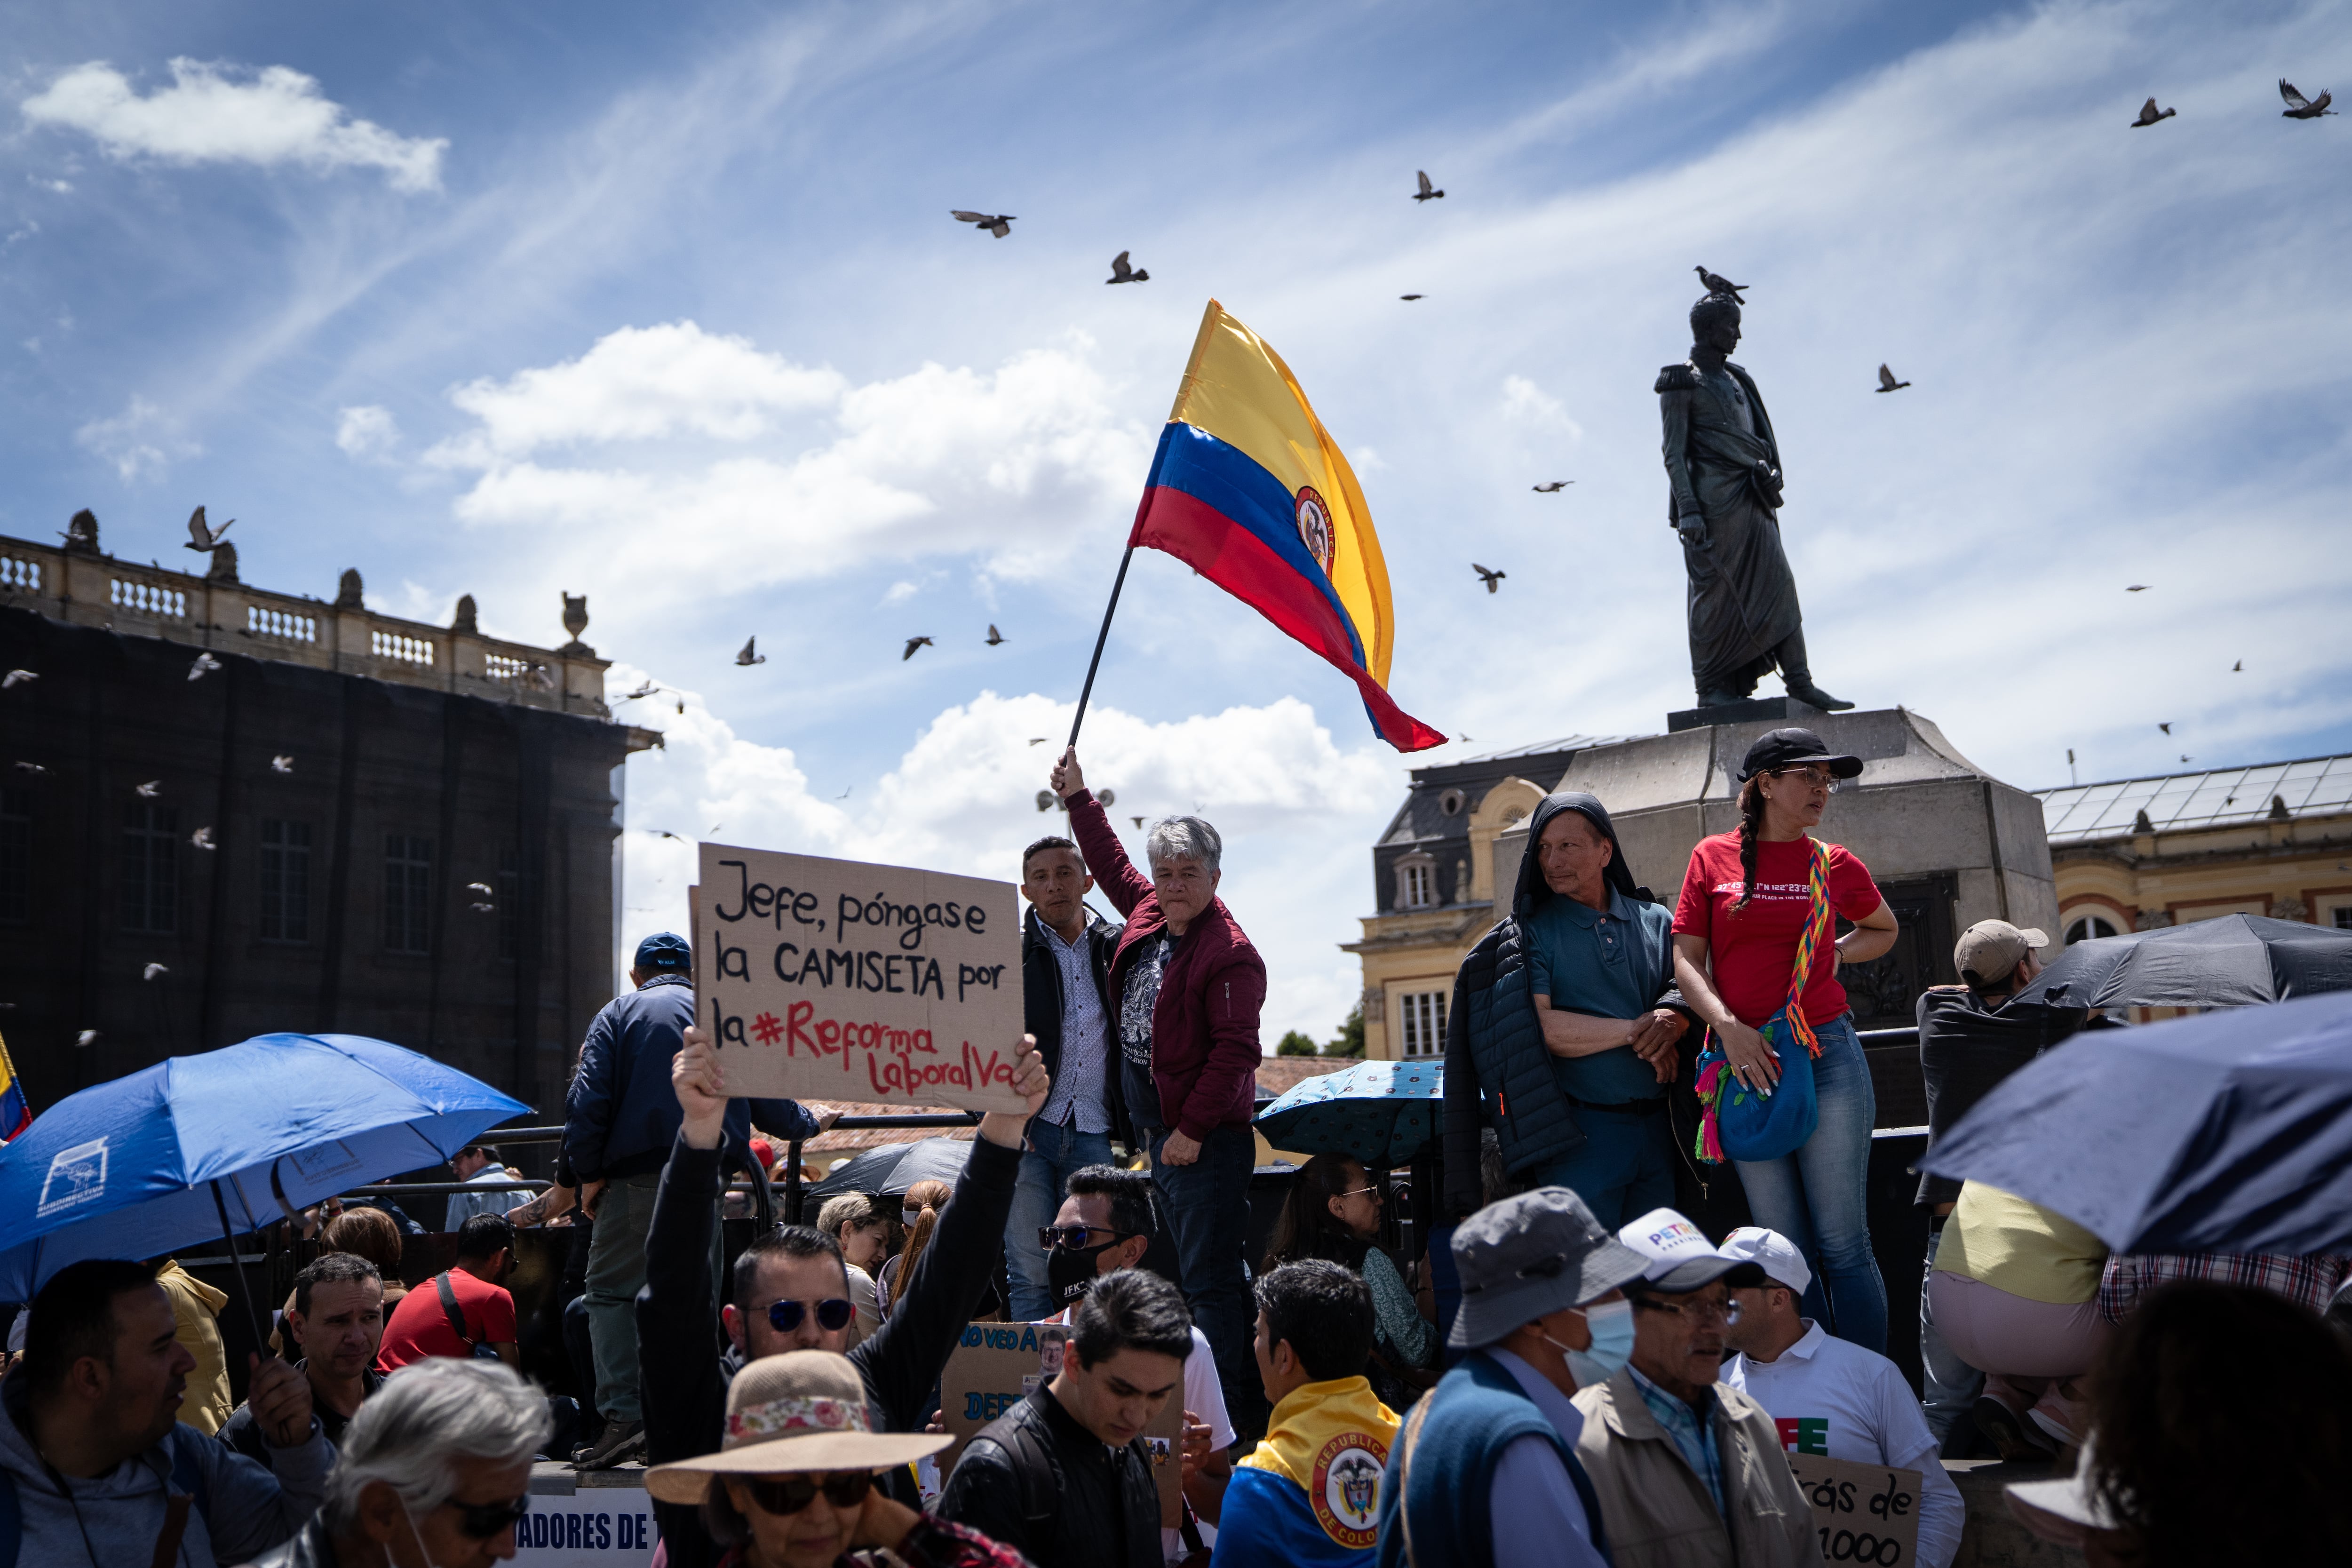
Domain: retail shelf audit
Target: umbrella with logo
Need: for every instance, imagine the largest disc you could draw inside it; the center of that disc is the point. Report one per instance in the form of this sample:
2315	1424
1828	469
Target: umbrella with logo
2236	961
1382	1113
222	1143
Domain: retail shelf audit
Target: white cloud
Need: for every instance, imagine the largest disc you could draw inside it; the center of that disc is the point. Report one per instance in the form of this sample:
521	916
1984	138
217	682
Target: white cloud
1528	403
899	593
141	442
366	432
276	115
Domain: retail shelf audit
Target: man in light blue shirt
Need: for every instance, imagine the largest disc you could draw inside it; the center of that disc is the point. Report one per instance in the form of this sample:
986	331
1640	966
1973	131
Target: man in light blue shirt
478	1162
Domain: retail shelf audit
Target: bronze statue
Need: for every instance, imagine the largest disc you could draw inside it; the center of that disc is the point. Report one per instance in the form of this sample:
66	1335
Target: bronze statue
1723	467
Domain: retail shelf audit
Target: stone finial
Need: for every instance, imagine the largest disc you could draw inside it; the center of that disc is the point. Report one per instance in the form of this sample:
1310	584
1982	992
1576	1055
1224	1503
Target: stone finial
2152	920
465	622
2287	907
575	621
81	532
2279	813
2140	823
224	566
347	592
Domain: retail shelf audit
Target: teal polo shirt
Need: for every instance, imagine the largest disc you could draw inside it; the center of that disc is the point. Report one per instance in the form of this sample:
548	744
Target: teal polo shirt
1607	963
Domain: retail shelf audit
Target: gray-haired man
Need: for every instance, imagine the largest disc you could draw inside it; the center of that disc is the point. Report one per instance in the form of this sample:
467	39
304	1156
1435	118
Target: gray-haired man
1187	985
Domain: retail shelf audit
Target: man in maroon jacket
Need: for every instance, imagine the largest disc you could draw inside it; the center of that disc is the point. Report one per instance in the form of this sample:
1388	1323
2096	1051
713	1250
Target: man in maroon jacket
1186	986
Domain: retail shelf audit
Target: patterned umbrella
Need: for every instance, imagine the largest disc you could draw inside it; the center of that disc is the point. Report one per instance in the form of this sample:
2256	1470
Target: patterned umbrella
1383	1113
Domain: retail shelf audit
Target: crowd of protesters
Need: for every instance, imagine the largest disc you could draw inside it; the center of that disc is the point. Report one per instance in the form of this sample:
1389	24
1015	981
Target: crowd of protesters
1608	1386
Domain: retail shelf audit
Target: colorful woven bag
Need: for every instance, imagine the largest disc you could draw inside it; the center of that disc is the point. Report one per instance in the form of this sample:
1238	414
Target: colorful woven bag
1741	1123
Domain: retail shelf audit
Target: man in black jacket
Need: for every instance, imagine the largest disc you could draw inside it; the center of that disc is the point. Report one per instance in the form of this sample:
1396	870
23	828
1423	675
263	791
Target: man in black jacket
790	1289
1065	953
1065	1474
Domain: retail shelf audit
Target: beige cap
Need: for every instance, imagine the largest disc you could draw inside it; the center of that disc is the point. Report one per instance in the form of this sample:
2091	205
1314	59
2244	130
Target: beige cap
801	1410
1988	950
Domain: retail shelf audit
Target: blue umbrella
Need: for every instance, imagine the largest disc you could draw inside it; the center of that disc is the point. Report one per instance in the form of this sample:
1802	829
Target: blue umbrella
223	1144
1382	1113
2228	1133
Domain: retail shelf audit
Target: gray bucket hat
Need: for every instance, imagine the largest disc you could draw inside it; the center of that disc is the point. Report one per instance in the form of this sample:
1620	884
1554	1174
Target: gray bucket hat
1530	1255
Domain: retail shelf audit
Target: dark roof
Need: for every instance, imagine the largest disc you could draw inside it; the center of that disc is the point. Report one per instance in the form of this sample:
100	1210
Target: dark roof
1424	819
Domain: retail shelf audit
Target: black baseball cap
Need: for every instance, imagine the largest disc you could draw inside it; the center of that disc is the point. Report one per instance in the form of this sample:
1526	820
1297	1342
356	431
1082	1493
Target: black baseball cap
1777	749
668	950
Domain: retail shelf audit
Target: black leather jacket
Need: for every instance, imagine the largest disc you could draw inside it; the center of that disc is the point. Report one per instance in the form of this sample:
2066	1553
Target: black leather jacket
1036	1480
311	1547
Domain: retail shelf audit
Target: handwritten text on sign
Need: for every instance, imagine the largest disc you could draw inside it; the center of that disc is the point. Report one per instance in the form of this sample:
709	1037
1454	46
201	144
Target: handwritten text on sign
820	977
1863	1514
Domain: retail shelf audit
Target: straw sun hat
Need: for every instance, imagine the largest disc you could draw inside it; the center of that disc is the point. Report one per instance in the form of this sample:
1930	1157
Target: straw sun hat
803	1410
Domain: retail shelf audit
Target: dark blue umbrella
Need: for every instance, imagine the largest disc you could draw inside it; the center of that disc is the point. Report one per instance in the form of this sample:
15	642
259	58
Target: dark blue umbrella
1381	1113
2228	1133
2235	961
223	1144
888	1170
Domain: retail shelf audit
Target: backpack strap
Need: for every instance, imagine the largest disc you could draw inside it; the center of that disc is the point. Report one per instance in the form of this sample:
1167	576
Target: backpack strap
449	1306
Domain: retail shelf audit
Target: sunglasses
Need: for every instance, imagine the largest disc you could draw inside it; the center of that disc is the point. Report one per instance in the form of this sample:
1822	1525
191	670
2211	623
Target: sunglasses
831	1316
483	1520
1725	1312
790	1494
1071	1237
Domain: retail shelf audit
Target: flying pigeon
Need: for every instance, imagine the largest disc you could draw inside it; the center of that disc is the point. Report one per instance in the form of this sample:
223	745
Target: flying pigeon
2186	757
1490	578
1427	192
912	644
154	970
201	539
1408	296
994	637
845	794
1717	283
281	763
2136	588
1122	273
747	657
2150	114
2237	668
2166	728
202	838
1554	487
482	908
1464	739
33	768
481	888
999	225
1886	381
1138	823
151	789
16	677
1038	739
87	1037
2301	108
205	664
648	689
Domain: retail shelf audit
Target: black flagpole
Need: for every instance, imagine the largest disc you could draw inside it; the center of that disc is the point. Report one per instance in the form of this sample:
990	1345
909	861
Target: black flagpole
1100	637
237	1268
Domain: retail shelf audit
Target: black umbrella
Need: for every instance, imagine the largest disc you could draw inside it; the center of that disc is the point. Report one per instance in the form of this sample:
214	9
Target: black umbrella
2237	961
889	1169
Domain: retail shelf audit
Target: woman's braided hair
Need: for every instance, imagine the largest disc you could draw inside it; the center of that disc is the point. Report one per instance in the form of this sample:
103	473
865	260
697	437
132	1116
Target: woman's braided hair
1751	833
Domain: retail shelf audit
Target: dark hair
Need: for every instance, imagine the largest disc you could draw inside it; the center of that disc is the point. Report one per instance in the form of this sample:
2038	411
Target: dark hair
1751	833
1051	841
484	1234
1324	1312
1308	1228
1131	1309
369	1233
784	1241
486	1150
1130	1192
2192	1418
332	1268
73	1317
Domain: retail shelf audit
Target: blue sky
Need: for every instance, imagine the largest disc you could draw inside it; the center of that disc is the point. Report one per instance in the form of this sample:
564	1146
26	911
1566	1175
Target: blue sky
663	305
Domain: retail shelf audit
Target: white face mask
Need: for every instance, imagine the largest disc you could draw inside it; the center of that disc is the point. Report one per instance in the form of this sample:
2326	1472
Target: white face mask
416	1534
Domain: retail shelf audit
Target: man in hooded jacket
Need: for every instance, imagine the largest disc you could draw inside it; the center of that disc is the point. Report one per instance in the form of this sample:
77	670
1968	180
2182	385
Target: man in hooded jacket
1566	1025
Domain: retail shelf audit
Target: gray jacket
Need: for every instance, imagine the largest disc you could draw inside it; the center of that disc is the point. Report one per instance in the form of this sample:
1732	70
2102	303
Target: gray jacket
242	1508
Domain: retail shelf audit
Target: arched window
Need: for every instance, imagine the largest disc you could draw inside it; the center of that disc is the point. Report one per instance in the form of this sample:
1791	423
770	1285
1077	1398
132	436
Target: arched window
2090	928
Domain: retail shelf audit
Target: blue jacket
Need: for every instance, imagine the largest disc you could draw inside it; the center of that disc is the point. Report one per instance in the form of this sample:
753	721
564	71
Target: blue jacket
1441	1475
621	1115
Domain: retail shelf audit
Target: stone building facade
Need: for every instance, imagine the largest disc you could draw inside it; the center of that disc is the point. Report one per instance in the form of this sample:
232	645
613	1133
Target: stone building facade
226	812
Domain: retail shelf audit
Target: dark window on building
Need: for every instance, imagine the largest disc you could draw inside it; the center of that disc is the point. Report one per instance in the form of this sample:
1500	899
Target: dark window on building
509	902
284	881
2343	917
151	867
407	893
15	856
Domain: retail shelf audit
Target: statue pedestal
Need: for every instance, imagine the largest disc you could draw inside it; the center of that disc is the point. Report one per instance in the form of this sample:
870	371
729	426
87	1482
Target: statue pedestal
1772	713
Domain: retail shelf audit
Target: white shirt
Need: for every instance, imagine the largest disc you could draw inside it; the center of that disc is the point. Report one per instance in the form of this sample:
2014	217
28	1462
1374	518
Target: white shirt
1080	1083
1536	1515
1836	1399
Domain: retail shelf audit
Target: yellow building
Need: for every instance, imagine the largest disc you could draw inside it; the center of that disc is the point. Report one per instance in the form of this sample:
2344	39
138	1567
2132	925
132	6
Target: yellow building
2273	840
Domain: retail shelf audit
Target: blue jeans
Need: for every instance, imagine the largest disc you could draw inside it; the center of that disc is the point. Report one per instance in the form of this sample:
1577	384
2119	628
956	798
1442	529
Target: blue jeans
1207	1207
1623	1170
1950	1385
1053	1153
1819	1198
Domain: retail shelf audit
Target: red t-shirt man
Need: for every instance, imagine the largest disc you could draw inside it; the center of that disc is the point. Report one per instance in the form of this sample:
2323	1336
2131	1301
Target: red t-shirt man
1753	950
420	1326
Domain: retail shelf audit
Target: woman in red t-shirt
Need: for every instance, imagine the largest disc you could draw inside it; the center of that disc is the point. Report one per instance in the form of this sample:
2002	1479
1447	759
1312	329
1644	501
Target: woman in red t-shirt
1745	902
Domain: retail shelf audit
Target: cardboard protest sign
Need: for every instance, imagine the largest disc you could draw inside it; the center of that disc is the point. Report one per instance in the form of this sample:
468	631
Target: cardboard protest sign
823	978
1864	1513
996	1366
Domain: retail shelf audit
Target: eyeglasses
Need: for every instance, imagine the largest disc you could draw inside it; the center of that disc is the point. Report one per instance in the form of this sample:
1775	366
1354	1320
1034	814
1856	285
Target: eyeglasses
1819	778
483	1520
1700	1312
790	1494
831	1316
1352	1192
1072	1237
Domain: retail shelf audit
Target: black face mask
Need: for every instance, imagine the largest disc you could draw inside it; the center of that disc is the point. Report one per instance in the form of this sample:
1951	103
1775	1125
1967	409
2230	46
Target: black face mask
1070	1271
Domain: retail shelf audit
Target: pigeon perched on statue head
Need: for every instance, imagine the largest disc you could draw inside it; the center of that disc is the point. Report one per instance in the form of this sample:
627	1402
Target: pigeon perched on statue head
1428	193
1717	283
998	223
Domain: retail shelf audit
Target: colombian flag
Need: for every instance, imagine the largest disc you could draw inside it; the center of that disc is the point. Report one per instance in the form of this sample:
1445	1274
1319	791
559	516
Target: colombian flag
1249	490
16	1110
